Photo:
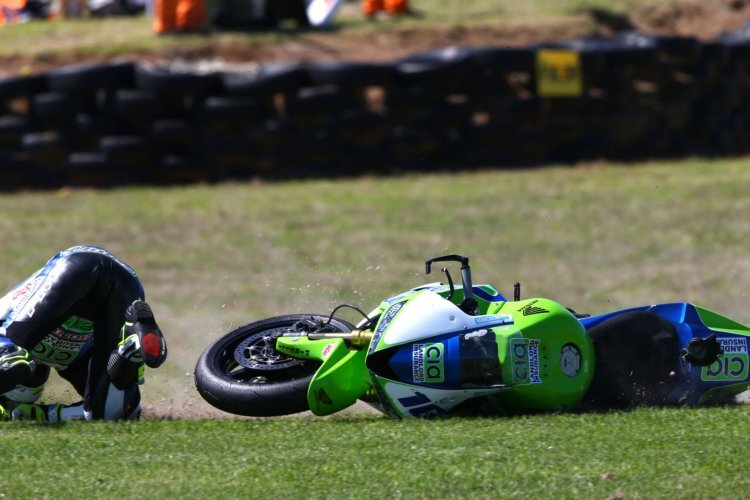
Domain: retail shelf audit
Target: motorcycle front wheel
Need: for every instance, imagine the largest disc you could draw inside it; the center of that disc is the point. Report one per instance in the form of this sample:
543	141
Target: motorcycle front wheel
243	373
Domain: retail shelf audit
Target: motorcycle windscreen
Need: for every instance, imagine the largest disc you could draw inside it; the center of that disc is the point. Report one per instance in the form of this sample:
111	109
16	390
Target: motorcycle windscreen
453	361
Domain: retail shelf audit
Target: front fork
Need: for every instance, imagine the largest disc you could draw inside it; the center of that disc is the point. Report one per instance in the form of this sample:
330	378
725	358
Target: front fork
358	339
342	376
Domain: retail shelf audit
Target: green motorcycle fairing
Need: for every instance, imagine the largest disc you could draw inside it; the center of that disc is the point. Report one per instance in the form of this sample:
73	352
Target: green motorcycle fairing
341	378
543	354
549	359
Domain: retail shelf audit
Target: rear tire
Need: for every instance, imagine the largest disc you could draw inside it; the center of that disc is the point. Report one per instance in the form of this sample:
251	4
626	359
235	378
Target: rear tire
242	373
637	355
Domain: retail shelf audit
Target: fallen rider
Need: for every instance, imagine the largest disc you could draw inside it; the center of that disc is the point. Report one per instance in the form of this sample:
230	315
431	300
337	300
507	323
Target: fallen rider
84	314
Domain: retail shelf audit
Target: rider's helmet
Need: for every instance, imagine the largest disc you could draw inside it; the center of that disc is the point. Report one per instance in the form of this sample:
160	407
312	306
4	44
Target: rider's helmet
32	386
31	390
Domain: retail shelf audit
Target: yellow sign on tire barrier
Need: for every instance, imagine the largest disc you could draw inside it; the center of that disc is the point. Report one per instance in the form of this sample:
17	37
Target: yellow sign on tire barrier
558	73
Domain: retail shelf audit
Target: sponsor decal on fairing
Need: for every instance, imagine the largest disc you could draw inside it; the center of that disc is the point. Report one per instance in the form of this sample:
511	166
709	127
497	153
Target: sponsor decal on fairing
495	319
524	355
732	365
427	363
385	322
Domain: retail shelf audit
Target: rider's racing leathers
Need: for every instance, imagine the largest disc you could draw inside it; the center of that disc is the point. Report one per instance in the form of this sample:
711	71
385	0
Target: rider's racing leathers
83	314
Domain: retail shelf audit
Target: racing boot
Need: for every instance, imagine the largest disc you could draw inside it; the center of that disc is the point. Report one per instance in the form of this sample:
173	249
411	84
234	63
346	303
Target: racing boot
28	411
139	321
52	413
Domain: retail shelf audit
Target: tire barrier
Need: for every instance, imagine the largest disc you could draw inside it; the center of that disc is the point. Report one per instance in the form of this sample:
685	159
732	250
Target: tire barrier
628	97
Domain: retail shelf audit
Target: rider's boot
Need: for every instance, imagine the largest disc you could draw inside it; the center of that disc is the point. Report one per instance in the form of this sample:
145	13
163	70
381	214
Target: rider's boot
139	321
34	412
53	413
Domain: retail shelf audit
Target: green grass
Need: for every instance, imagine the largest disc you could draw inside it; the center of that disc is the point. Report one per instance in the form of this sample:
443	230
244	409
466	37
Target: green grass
690	453
596	238
106	37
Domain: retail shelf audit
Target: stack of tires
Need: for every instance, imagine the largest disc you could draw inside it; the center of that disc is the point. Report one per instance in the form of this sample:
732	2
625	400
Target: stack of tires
429	110
104	125
508	116
244	131
342	113
457	107
16	128
727	98
73	117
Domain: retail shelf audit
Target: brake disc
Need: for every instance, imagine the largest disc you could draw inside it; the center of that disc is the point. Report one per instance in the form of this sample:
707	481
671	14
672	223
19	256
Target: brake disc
258	352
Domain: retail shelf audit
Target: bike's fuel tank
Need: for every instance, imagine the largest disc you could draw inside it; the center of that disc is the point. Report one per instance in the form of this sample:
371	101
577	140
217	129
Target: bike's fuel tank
528	354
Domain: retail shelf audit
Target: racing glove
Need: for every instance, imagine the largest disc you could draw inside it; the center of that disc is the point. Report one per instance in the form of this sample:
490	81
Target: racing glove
125	365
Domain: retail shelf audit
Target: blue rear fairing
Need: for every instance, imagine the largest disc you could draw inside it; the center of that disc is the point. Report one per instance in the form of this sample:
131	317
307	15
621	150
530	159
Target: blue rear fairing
682	315
733	367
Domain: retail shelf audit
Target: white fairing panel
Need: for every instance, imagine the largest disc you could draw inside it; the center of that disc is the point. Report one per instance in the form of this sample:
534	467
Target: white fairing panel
429	314
414	401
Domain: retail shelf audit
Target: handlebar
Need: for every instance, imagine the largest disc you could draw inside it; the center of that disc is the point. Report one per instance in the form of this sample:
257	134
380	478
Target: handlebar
465	275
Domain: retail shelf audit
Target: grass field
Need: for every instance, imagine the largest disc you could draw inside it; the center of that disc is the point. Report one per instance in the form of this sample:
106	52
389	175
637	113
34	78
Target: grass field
642	454
593	237
212	258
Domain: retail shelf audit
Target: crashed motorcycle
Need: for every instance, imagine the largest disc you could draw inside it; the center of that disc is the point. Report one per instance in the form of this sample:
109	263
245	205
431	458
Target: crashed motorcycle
442	349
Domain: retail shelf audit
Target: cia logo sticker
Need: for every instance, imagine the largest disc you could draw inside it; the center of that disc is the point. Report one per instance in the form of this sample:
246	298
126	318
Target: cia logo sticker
570	360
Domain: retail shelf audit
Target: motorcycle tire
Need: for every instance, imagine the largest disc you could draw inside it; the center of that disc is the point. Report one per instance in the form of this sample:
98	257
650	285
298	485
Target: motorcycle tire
242	373
272	78
91	77
22	86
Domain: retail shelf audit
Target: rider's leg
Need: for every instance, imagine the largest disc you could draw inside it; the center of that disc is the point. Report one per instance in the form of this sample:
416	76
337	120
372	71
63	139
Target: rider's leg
109	393
126	335
119	404
64	283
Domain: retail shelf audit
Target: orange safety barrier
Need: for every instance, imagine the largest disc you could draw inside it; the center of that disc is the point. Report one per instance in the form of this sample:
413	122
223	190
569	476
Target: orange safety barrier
9	11
371	7
13	4
179	15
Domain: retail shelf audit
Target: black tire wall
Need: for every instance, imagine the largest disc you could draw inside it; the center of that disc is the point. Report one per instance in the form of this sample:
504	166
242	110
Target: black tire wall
644	97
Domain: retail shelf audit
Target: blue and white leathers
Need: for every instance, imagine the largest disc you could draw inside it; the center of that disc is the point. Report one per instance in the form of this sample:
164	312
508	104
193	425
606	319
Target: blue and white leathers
68	315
